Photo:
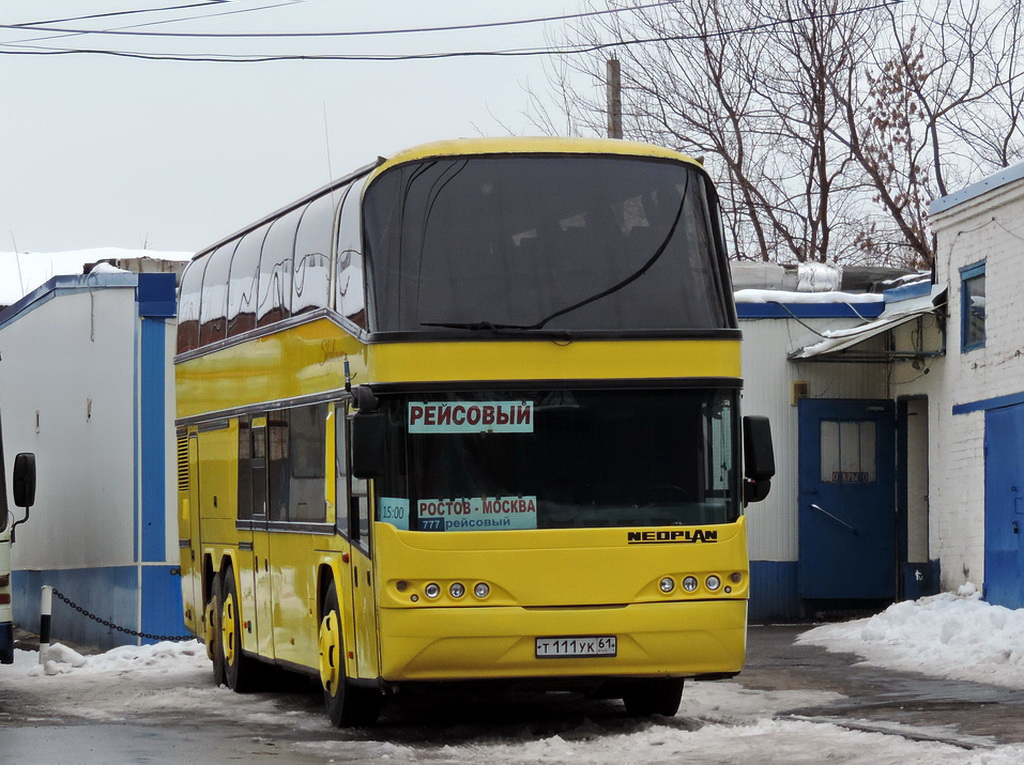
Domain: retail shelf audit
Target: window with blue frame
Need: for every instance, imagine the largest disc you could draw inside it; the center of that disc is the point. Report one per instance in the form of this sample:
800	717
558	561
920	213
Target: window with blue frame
972	307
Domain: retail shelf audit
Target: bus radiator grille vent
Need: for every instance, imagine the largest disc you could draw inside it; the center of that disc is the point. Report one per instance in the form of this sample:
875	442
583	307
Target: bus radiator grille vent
183	464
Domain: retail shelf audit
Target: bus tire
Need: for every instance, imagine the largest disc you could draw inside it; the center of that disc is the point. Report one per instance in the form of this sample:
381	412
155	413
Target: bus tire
662	696
239	672
347	705
212	630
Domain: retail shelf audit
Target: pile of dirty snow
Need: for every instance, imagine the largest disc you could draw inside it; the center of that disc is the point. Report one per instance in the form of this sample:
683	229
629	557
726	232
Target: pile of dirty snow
956	636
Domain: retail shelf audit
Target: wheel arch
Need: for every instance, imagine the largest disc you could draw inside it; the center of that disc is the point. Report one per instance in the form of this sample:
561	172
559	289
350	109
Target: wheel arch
325	575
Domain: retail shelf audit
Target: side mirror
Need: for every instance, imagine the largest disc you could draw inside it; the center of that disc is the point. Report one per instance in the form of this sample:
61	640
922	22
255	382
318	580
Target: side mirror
24	485
367	433
25	480
758	458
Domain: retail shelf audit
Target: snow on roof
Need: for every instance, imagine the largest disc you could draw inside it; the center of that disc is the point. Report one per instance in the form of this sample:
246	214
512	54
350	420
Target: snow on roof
22	272
783	296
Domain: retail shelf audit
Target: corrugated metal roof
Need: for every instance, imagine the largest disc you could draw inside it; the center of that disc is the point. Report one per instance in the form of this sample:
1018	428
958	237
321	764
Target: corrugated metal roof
894	315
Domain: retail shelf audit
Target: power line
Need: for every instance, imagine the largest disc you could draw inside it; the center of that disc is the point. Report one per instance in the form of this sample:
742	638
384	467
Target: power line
203	3
568	50
65	32
41	27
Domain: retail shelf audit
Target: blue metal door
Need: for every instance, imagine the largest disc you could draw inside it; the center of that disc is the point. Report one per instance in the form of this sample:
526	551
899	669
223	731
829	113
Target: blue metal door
847	516
1004	506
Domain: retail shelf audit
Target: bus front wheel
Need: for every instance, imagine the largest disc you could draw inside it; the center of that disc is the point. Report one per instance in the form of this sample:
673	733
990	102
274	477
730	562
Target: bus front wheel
347	704
662	696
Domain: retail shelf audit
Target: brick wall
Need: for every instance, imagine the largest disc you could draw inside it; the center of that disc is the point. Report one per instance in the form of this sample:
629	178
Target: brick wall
987	226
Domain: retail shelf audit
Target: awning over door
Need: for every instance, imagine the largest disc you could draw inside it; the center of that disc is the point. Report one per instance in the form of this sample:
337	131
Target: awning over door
838	344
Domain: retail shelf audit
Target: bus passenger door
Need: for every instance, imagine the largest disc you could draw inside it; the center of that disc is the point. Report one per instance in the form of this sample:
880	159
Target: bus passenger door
356	599
364	601
264	614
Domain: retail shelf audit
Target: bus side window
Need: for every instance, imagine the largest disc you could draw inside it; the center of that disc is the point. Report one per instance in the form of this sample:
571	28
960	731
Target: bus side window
277	465
353	493
341	488
307	429
360	511
244	501
258	457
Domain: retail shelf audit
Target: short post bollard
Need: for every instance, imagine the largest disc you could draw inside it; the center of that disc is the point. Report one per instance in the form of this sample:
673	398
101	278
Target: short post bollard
45	609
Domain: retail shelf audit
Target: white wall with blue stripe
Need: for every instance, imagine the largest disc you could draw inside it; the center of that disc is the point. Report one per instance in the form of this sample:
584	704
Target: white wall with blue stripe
87	385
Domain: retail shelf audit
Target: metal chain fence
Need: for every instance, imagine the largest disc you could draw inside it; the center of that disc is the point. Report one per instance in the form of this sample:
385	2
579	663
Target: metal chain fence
110	625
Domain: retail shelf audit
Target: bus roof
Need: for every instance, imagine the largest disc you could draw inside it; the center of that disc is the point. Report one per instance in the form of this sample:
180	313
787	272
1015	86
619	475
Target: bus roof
473	147
530	145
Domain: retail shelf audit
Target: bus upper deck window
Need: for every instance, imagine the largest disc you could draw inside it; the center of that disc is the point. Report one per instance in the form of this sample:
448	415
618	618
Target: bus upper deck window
188	305
349	286
213	308
311	269
274	294
245	268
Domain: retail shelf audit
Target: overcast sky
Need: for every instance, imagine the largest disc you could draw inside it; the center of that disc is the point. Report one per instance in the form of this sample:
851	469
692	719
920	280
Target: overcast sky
97	150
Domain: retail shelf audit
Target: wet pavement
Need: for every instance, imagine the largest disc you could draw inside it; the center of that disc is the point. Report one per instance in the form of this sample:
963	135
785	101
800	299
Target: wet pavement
914	706
967	715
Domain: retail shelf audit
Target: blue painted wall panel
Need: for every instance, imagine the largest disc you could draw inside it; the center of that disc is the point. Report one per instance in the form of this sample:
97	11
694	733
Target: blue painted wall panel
162	612
152	413
111	594
774	594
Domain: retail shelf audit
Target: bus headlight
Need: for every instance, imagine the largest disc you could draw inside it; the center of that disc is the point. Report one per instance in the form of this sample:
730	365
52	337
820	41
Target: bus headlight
690	583
457	590
432	590
713	582
481	590
666	585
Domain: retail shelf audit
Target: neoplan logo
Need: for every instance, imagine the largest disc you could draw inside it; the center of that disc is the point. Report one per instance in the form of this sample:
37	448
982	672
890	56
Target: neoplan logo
680	536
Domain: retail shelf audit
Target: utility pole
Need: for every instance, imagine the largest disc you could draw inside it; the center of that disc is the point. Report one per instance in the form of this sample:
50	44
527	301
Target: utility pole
614	96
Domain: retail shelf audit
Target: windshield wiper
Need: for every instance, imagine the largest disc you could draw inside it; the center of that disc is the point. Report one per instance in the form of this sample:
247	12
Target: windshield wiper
473	326
633	276
557	335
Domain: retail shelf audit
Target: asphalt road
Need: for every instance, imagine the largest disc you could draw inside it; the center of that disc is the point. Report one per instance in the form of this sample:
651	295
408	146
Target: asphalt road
879	699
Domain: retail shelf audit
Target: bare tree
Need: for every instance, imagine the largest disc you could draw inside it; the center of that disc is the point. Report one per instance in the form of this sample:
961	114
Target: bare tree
828	125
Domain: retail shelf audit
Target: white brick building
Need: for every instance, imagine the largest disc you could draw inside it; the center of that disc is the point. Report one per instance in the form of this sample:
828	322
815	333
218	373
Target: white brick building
977	491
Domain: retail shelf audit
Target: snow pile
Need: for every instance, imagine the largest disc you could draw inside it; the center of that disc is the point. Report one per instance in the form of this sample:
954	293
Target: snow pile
956	636
162	657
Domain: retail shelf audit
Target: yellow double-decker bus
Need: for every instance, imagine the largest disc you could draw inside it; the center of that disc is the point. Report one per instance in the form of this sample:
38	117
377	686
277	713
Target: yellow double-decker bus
470	414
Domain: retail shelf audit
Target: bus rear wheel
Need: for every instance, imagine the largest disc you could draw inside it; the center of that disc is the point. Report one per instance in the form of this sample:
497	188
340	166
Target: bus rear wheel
347	705
212	630
239	670
662	696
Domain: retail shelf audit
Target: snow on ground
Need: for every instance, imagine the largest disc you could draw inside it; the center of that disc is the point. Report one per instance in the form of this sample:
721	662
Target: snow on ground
22	272
957	636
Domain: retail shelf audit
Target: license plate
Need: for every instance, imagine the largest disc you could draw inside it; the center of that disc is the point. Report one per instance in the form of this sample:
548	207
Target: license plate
577	647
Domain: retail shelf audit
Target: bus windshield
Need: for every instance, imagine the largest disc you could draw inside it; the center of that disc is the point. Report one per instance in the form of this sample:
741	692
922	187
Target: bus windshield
560	459
564	242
